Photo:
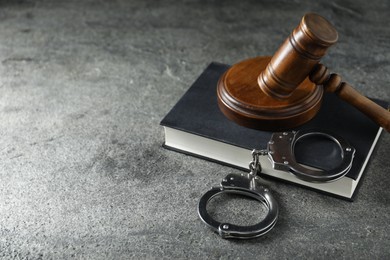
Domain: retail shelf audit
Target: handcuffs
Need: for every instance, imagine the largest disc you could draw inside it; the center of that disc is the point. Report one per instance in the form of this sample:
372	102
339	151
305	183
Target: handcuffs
280	151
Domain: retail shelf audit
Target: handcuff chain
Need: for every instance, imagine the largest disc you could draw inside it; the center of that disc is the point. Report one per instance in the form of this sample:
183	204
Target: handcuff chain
255	165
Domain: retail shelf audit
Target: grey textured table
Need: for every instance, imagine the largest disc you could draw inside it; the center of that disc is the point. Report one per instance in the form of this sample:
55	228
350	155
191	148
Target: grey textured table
83	87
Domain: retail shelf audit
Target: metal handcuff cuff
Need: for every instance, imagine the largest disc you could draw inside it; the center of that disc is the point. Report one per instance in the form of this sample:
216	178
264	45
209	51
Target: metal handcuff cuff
280	151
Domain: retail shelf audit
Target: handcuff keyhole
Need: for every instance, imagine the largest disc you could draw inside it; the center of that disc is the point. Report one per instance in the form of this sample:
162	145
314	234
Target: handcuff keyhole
318	151
236	209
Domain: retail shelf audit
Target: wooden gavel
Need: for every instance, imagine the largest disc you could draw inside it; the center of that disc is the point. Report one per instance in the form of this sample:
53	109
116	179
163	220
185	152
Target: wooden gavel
286	90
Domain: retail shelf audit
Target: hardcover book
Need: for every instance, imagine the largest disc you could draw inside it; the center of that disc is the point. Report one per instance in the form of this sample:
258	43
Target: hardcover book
197	127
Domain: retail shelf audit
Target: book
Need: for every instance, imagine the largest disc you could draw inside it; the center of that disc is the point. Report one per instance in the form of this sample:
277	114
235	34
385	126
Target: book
195	126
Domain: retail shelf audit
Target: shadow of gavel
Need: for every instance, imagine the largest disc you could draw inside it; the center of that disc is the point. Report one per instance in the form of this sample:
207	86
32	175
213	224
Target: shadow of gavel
286	90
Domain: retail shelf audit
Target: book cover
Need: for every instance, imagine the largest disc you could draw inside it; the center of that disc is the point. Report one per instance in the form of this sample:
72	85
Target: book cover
196	126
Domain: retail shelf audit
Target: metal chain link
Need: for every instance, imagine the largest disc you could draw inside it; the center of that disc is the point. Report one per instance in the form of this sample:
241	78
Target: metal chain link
255	165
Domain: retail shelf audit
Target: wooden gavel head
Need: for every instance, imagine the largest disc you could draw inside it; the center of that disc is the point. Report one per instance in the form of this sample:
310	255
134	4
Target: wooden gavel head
286	90
297	56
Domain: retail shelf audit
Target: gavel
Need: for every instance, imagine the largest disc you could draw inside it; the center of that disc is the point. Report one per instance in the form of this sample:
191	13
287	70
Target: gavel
286	91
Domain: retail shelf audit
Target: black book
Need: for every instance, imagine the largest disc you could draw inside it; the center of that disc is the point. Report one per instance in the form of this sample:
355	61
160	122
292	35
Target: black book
197	127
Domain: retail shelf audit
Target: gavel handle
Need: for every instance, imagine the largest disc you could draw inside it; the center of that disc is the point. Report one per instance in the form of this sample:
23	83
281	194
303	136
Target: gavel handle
333	83
377	113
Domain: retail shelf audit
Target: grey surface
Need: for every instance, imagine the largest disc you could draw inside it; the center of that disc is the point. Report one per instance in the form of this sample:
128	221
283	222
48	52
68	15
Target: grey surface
83	87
